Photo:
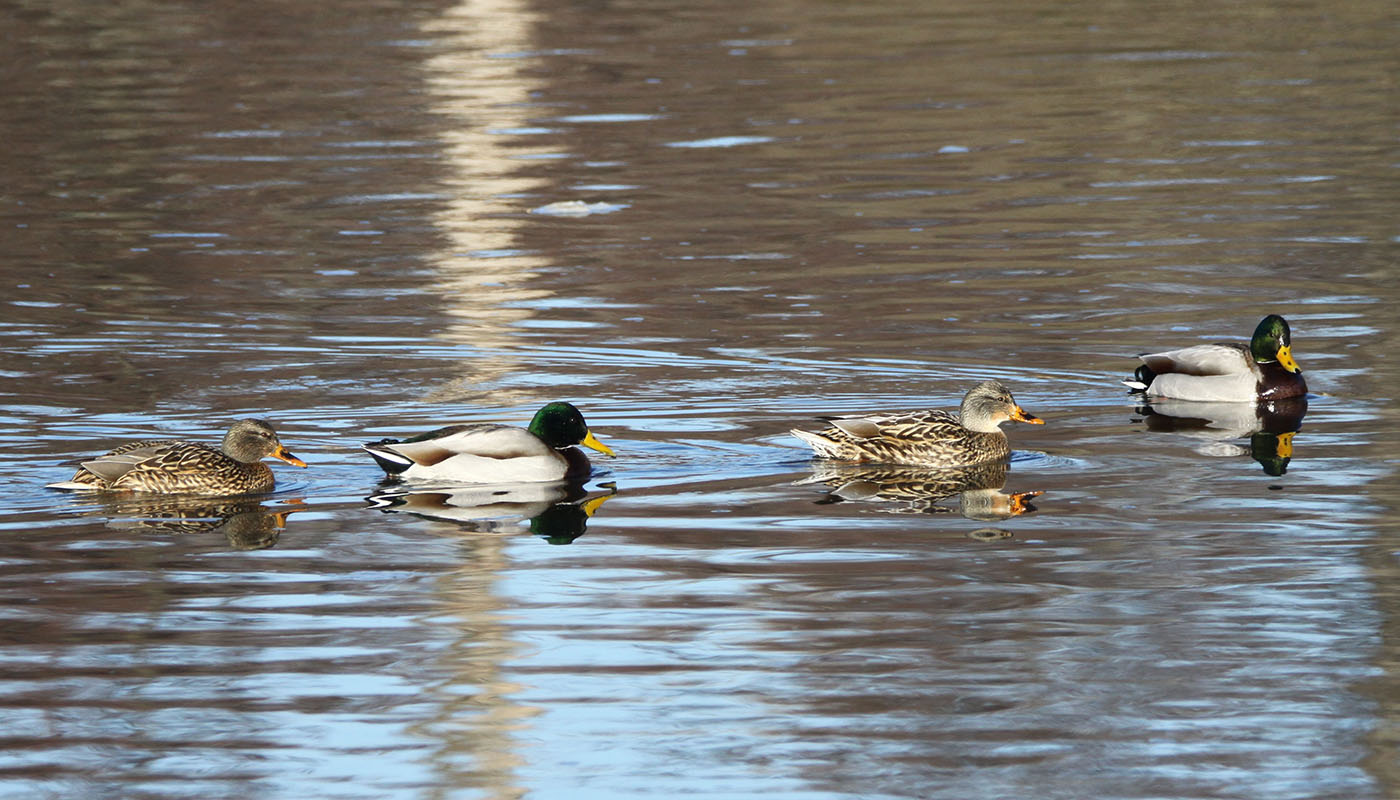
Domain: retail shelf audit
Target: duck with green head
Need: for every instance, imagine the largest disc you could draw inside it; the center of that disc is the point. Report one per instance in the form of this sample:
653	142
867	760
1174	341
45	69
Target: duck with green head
487	452
1228	372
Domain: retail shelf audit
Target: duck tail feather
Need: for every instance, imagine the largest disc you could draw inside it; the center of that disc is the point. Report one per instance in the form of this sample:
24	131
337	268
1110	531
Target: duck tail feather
822	445
391	462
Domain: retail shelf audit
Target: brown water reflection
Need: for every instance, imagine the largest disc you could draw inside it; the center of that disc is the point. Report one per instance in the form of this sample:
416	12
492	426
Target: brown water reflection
901	489
702	225
247	524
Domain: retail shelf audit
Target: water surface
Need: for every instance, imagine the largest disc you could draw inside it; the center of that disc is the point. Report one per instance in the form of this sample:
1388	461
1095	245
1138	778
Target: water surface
704	226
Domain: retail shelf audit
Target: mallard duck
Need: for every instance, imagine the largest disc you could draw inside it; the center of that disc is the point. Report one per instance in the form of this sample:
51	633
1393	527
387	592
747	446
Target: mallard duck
925	438
1230	372
486	452
174	466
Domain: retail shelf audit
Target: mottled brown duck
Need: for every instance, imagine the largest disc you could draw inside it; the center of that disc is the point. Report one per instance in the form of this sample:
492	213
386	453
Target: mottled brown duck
925	438
175	466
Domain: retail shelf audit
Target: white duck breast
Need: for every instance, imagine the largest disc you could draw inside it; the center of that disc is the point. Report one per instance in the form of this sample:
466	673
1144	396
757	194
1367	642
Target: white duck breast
483	453
469	468
1239	387
1206	372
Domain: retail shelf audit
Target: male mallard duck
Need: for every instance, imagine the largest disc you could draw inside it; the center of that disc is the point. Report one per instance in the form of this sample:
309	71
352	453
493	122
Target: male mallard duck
173	466
1230	372
926	438
491	453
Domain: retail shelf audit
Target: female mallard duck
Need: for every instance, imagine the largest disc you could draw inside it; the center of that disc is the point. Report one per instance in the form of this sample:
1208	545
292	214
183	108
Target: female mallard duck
173	466
926	438
491	453
1231	372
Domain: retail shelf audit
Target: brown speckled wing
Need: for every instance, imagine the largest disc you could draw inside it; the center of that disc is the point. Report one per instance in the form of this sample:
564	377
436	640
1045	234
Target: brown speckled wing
197	469
84	475
927	438
923	426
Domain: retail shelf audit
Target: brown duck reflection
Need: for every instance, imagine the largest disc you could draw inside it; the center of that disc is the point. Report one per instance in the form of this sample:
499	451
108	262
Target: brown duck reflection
247	524
918	490
1269	426
557	512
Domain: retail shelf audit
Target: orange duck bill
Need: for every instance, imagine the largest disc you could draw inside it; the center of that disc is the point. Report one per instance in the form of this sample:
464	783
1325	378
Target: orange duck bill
283	454
1019	414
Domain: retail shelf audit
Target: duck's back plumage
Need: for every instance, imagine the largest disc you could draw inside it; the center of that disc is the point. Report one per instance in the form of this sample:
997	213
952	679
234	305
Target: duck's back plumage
1201	360
85	478
923	438
487	439
171	466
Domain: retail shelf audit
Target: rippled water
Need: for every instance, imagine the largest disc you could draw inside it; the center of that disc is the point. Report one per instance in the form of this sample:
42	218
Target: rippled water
704	226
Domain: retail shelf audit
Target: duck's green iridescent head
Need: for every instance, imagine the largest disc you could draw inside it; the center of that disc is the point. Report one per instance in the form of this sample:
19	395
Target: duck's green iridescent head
560	425
1272	341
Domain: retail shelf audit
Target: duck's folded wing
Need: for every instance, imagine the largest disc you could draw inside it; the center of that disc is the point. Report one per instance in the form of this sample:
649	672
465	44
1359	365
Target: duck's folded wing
161	456
909	425
1203	359
858	427
117	463
486	441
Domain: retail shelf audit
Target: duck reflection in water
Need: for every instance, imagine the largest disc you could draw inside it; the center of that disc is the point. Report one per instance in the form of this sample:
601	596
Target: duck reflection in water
246	524
558	512
1269	426
918	489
